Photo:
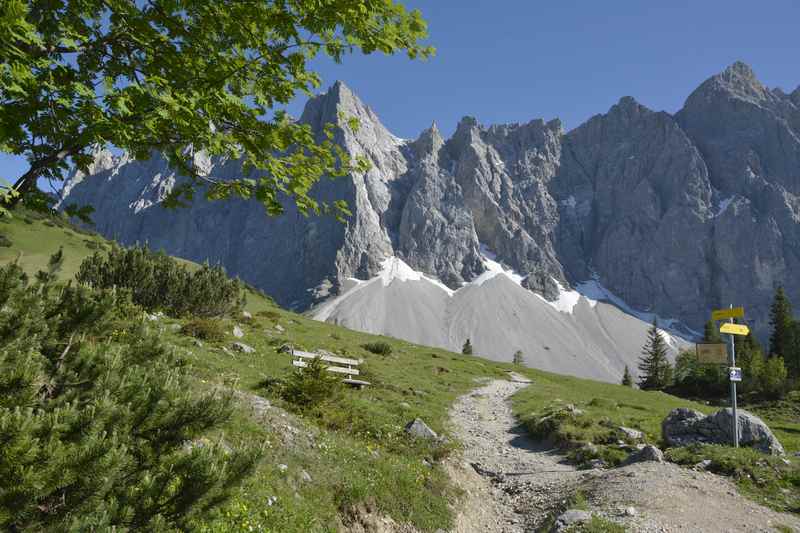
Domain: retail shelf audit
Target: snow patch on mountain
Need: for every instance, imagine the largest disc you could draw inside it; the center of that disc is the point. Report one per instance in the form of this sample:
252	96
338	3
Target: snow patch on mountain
594	292
494	268
393	268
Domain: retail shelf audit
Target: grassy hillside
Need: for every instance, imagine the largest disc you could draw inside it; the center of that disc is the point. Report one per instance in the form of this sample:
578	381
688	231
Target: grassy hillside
349	460
326	466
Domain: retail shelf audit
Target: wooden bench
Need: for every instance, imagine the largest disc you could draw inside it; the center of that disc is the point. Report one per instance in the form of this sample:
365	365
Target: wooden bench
339	365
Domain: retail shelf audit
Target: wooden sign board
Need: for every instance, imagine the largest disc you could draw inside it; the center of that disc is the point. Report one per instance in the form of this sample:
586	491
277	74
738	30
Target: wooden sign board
734	329
712	353
722	314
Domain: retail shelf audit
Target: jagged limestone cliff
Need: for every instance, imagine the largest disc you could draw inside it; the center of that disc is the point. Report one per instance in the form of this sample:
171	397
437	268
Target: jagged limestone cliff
673	214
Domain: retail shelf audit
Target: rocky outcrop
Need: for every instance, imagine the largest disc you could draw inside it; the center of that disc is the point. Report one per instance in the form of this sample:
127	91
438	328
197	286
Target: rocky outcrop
673	214
685	426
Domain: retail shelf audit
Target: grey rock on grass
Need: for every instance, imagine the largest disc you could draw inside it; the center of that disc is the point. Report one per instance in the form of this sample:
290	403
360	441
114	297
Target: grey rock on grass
571	518
647	453
419	429
242	347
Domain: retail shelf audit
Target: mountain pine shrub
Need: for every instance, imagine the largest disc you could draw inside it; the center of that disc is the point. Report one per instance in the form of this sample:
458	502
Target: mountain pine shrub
378	348
97	417
159	283
207	329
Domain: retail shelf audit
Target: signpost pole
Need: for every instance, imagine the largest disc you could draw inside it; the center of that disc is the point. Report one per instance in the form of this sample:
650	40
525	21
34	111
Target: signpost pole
733	390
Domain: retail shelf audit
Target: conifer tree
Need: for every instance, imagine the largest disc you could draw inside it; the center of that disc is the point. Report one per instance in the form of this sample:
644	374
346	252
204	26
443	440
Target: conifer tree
655	370
627	379
711	333
517	358
467	348
99	424
780	319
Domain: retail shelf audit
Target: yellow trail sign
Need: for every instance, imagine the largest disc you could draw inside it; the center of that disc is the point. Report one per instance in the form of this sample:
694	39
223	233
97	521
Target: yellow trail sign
712	353
734	329
722	314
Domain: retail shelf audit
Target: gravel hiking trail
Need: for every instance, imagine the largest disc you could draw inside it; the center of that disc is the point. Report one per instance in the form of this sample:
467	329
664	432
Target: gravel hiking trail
512	483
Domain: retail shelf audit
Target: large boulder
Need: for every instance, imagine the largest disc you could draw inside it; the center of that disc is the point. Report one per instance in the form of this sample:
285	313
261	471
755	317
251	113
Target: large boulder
680	428
685	426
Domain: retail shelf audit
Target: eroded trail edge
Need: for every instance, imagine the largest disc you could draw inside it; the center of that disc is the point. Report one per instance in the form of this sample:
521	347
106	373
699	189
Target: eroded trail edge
514	484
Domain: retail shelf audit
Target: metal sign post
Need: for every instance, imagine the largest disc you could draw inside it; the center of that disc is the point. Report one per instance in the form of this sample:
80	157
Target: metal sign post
733	389
734	373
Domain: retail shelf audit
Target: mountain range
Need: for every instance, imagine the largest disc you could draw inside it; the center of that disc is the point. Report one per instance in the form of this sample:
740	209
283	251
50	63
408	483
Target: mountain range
519	236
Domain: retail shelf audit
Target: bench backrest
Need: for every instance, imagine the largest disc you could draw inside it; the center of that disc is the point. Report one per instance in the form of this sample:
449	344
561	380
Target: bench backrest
340	365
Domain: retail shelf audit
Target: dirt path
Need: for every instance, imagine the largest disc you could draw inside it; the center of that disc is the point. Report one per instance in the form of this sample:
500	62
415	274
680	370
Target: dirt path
513	484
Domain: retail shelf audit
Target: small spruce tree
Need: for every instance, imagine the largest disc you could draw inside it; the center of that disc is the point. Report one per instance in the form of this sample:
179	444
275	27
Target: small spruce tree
655	370
627	379
467	348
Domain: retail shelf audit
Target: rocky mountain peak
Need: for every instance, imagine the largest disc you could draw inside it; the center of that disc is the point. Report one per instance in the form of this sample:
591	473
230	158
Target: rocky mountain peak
627	109
739	71
338	105
738	81
429	141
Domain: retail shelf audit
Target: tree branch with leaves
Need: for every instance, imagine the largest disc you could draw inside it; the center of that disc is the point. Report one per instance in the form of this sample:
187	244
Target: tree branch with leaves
181	76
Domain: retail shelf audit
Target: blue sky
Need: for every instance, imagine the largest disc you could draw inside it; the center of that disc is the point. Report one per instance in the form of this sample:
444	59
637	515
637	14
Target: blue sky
515	60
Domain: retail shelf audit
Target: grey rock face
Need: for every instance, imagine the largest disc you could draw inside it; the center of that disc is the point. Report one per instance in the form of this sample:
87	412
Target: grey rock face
633	196
749	137
436	231
685	426
673	214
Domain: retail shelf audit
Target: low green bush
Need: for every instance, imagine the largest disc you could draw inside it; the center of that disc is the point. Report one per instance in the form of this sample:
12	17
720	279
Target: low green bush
378	348
207	329
5	241
159	283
